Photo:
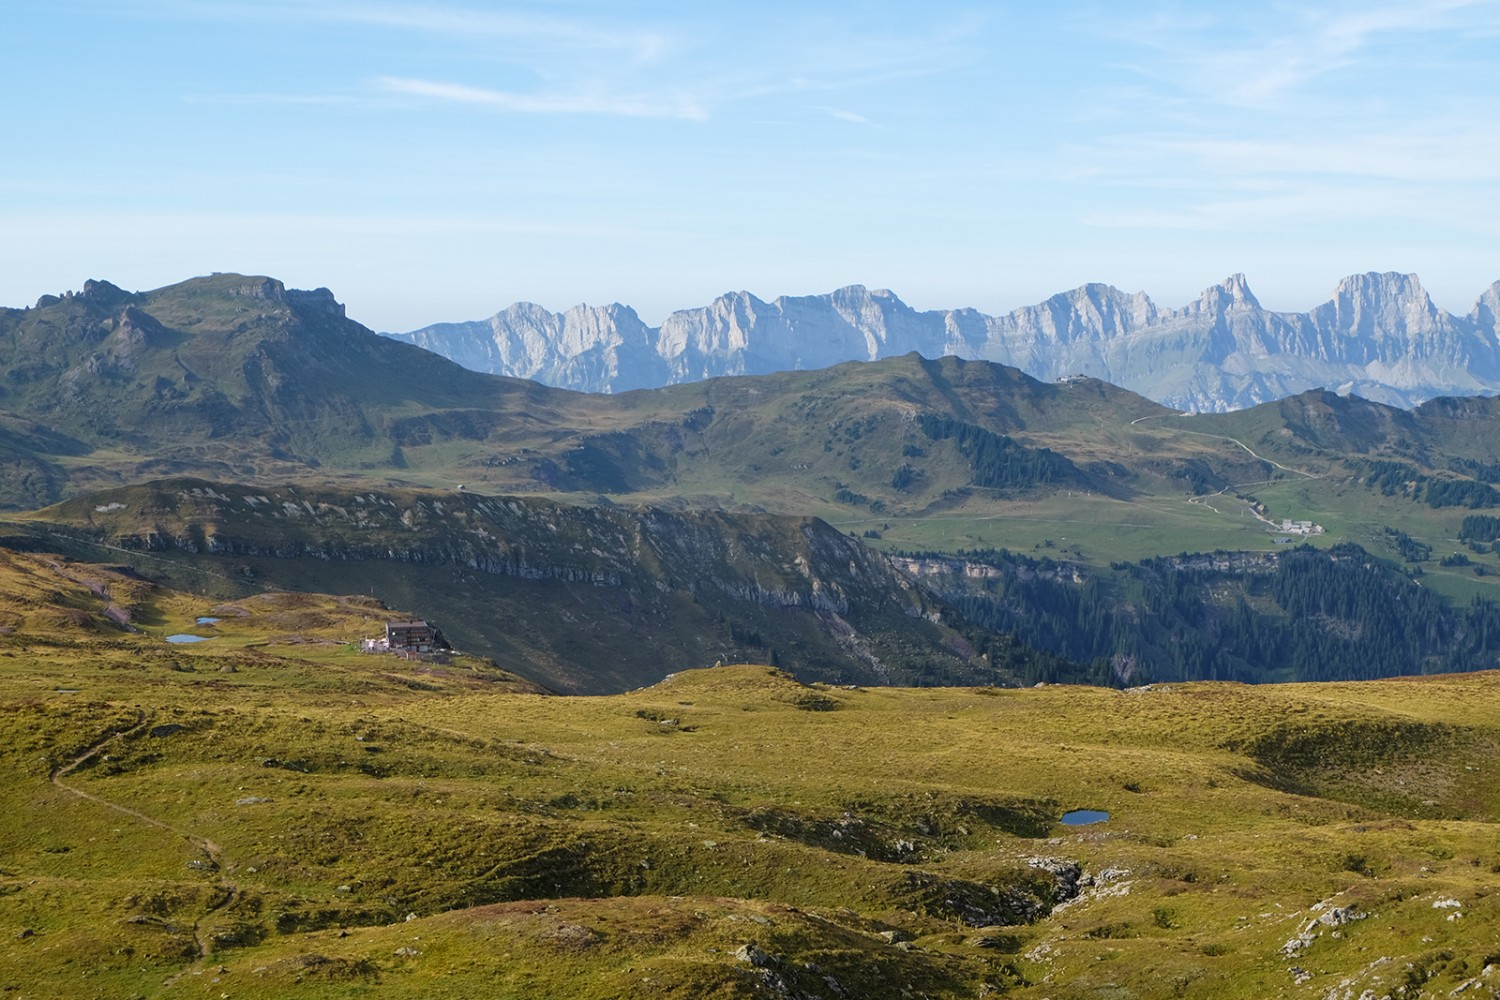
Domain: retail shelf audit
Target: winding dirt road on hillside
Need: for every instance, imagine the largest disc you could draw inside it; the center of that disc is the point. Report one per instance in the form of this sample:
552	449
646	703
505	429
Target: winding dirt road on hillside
204	844
1225	437
93	750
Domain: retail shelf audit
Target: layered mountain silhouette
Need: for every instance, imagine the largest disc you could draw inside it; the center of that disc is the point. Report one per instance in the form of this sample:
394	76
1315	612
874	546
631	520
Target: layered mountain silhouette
1379	336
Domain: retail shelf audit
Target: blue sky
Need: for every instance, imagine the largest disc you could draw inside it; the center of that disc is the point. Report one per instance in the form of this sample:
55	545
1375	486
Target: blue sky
438	161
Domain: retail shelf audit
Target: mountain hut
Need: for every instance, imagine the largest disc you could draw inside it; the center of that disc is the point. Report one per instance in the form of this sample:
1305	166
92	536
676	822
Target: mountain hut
412	637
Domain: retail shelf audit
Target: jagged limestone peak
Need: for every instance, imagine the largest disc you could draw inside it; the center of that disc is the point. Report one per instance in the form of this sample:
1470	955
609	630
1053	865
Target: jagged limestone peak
1223	350
1388	302
1215	300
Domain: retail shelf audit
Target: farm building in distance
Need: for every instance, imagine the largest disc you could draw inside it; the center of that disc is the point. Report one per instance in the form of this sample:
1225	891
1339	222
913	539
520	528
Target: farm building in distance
407	637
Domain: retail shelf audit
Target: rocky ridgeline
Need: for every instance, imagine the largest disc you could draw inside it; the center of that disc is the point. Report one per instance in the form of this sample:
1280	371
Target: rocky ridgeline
1379	336
763	559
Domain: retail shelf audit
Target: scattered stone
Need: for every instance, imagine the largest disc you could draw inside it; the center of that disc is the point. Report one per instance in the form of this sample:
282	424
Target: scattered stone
408	952
1041	952
1340	915
25	932
574	936
410	917
1446	904
1336	916
1007	943
250	800
892	936
1067	875
752	953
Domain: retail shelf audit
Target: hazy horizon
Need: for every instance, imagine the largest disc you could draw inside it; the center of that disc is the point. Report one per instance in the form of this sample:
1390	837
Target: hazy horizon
436	162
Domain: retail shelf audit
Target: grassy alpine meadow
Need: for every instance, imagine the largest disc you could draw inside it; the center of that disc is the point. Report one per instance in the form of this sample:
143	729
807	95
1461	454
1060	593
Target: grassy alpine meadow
270	813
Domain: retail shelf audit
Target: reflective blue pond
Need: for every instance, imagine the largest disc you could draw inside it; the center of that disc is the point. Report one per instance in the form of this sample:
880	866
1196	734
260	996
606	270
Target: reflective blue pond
1083	817
207	621
184	637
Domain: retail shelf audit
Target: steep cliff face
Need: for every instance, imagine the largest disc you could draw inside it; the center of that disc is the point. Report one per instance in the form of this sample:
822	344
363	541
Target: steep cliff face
739	334
1380	335
770	560
582	599
593	349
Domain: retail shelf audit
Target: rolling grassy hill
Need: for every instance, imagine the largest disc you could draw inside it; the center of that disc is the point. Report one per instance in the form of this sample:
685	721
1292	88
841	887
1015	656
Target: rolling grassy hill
269	814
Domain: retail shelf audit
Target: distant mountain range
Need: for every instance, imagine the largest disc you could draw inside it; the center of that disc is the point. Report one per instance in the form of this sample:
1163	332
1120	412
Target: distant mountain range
1379	336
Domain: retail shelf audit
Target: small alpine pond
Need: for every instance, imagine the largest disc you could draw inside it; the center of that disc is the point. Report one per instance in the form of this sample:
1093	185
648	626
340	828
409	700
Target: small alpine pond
1083	817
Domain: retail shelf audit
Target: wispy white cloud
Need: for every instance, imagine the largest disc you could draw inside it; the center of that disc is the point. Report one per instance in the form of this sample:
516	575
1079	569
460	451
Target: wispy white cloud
546	103
1408	182
541	34
1420	155
1265	60
592	58
1295	119
1326	43
842	115
312	100
1335	207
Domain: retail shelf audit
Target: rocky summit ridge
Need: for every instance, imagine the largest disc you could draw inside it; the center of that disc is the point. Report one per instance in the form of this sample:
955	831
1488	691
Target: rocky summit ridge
1378	336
